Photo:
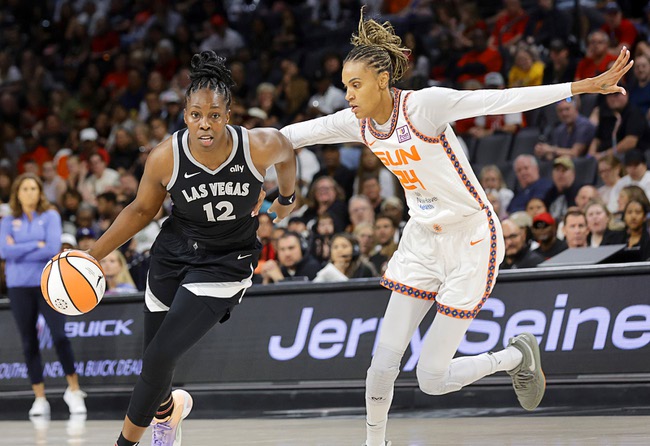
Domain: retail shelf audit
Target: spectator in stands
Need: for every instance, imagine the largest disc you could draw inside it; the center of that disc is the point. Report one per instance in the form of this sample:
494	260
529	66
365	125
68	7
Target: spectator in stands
563	193
124	151
365	234
597	59
393	208
370	165
544	231
360	210
332	167
527	69
265	234
100	180
510	26
639	89
598	222
637	175
638	240
609	172
621	31
86	238
492	181
535	206
621	127
546	23
320	240
327	99
479	61
575	229
371	189
561	66
294	261
345	261
627	194
116	272
29	237
53	185
326	196
571	137
220	38
107	209
386	246
530	184
68	241
488	125
518	252
586	194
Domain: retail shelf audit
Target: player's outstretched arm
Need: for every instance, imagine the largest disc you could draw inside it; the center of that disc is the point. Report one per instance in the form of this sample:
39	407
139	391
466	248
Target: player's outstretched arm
607	82
150	196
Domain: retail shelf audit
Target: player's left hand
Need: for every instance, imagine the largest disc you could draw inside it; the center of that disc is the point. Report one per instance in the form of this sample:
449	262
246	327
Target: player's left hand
260	201
280	210
607	82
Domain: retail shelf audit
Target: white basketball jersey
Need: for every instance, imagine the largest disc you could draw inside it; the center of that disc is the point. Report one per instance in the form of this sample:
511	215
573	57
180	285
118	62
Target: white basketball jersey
419	147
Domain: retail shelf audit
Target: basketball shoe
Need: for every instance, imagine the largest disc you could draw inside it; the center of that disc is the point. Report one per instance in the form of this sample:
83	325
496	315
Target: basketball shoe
527	378
40	407
168	433
75	400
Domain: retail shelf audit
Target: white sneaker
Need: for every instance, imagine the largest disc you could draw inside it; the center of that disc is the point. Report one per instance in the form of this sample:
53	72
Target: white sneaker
75	400
168	433
41	407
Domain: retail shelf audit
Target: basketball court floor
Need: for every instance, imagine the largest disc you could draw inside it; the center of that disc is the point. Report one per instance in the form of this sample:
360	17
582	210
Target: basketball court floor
405	429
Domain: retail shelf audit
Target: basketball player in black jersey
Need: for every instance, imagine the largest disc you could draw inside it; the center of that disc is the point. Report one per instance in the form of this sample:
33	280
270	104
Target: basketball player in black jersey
203	259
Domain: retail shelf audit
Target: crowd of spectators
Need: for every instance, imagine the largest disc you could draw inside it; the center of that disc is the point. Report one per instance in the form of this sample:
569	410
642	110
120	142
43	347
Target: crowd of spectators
89	88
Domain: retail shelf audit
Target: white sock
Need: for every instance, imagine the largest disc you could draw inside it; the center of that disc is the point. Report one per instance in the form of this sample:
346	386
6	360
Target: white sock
376	418
506	359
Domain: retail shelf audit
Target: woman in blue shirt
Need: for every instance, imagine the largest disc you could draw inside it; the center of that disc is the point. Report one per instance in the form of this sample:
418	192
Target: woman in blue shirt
29	237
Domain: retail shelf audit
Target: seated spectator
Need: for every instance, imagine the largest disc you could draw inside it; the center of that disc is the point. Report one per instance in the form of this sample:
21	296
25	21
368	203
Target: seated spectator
609	172
571	137
546	24
101	179
621	31
323	231
527	70
393	208
637	237
575	229
371	166
597	58
585	194
360	210
627	194
294	261
639	88
479	61
561	66
327	99
371	189
53	185
544	231
68	241
265	234
598	222
86	238
365	234
491	179
535	206
325	196
529	183
562	194
386	246
518	252
488	125
332	167
496	205
637	175
116	272
621	127
345	261
510	26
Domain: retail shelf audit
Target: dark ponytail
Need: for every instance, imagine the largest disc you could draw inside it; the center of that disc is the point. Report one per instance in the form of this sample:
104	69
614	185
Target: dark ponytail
210	71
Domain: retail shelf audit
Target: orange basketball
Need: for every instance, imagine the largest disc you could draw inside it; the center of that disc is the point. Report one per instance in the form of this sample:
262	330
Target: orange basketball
73	282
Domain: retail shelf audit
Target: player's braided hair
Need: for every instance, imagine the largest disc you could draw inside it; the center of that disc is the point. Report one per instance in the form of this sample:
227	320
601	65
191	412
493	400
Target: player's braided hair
210	71
380	48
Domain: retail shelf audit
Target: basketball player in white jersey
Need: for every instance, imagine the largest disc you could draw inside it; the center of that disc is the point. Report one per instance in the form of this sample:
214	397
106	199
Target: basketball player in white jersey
452	245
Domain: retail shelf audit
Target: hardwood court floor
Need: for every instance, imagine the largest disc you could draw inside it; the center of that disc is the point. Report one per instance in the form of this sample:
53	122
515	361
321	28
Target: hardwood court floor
343	431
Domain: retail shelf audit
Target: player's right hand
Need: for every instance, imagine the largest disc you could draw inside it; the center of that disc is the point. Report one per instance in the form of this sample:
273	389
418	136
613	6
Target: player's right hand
280	210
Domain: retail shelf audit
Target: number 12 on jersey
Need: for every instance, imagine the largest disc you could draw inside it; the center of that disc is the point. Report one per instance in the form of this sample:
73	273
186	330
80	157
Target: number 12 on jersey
226	209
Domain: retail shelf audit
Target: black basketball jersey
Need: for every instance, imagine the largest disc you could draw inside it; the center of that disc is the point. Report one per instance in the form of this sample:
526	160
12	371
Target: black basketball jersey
213	207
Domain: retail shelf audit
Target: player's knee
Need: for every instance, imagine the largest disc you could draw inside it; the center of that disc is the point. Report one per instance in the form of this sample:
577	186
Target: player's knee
382	373
432	383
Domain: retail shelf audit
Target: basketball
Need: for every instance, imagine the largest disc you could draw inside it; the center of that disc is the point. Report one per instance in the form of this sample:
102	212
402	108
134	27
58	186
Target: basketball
73	282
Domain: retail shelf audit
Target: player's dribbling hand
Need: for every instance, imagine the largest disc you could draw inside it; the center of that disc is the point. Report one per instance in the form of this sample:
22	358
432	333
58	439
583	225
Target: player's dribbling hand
280	210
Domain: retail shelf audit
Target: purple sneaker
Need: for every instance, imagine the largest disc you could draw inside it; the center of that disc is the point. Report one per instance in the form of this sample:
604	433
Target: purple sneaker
168	433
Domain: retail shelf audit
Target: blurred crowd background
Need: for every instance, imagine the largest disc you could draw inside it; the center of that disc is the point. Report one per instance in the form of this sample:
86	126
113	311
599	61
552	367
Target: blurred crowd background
89	88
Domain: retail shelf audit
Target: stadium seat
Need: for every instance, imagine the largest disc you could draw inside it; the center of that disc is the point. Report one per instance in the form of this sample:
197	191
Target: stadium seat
586	170
524	142
493	149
